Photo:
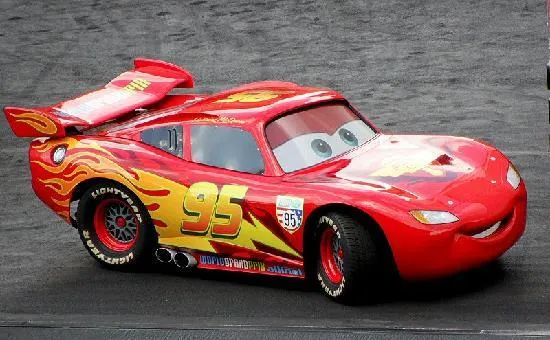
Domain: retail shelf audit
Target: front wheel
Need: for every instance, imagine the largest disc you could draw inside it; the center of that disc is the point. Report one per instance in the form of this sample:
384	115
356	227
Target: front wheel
115	226
348	263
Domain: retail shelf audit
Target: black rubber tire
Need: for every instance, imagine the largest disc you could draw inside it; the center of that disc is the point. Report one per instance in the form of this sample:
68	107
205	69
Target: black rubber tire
140	254
361	261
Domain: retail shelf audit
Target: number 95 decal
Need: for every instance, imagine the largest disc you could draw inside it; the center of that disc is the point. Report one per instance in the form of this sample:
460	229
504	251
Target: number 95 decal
205	208
290	220
290	212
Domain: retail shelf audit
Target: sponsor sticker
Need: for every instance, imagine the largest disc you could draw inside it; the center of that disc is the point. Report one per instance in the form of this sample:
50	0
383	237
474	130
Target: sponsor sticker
100	99
221	262
284	270
252	96
290	212
228	262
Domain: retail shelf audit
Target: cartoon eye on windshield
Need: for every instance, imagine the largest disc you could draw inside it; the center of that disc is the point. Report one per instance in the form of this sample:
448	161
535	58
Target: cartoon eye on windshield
348	137
321	148
312	136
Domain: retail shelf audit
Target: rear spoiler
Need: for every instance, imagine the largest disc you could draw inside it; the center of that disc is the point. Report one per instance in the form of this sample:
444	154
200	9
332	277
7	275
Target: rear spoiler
147	83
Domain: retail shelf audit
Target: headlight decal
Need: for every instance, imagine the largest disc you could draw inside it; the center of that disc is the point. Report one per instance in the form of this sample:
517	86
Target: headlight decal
433	216
512	176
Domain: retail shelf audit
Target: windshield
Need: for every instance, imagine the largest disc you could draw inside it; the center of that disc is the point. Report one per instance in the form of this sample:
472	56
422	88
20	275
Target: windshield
305	138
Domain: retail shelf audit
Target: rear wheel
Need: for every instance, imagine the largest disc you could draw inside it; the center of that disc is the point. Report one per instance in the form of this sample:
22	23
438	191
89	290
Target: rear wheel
348	263
115	226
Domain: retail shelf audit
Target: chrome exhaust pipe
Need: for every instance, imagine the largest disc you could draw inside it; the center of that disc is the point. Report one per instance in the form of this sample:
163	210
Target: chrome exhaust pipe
179	258
184	260
164	255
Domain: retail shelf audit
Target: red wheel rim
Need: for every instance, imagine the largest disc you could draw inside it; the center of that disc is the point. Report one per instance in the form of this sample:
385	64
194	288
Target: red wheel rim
332	256
116	224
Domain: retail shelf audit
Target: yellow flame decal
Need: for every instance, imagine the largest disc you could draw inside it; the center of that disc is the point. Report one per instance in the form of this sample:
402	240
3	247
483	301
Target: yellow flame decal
252	96
396	170
39	122
63	214
248	233
88	160
401	165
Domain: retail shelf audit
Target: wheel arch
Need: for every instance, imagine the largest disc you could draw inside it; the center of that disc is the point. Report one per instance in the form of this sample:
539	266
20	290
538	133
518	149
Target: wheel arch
81	187
380	240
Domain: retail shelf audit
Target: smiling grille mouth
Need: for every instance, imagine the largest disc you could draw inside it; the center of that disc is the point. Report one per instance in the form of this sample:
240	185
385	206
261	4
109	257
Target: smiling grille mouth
491	230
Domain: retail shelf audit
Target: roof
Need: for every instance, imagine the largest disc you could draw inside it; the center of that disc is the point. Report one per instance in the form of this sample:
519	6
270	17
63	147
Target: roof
247	104
260	101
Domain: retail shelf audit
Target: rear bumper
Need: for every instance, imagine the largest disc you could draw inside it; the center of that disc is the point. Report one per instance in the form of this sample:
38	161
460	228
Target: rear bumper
426	254
46	187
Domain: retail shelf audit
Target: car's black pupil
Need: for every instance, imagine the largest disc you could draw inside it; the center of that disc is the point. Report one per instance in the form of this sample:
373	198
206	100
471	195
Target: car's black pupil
322	146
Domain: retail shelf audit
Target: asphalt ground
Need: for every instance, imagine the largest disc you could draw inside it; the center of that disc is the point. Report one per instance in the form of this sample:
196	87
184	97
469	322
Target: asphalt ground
468	68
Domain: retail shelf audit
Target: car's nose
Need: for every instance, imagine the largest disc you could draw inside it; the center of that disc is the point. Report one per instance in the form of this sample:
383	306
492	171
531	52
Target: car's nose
445	251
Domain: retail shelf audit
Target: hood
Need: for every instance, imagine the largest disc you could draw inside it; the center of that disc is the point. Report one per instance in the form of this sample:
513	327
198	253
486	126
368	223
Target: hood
432	168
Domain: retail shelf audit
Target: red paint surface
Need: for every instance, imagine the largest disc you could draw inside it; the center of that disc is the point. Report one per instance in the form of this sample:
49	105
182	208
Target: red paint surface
386	178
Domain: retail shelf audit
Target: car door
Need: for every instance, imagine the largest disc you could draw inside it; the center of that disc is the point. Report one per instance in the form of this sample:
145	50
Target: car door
229	210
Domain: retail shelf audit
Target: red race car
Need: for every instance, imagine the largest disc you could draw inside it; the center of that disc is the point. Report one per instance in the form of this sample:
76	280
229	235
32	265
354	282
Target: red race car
269	178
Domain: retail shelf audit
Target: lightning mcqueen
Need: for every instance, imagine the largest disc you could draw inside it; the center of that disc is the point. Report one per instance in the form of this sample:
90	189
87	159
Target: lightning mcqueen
270	178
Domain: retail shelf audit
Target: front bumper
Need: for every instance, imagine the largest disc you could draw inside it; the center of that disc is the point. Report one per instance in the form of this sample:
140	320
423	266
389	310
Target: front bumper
421	254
